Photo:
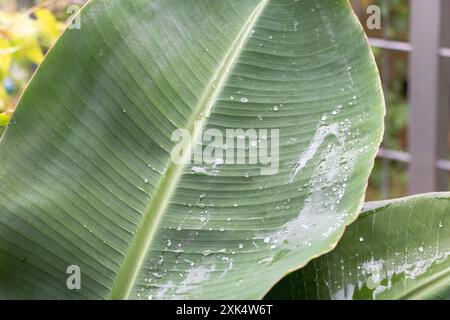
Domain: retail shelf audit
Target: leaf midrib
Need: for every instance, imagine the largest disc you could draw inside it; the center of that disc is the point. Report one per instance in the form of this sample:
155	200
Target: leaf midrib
157	206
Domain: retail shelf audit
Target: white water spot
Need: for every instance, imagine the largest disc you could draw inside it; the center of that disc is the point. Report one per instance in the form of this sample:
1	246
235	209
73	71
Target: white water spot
244	100
214	166
199	170
163	290
373	270
321	133
267	260
215	163
344	293
378	270
194	278
326	188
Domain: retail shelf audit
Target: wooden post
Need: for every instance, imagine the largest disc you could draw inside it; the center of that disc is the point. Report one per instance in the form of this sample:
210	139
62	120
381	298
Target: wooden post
427	97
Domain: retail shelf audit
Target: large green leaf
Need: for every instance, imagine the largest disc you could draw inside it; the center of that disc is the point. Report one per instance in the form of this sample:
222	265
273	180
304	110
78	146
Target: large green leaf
86	173
396	250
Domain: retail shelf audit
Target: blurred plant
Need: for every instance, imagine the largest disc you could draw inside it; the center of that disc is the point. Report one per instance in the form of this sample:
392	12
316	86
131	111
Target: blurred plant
24	39
389	179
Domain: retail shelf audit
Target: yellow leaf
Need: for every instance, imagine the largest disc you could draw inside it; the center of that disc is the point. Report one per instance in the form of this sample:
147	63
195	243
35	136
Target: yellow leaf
5	58
23	34
3	93
4	119
34	53
3	98
48	25
22	27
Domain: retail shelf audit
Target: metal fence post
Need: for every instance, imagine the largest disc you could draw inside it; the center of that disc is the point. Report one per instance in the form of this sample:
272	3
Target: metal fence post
426	96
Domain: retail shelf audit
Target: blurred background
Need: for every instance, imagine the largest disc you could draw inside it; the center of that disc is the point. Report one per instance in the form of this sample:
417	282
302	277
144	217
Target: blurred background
412	53
411	49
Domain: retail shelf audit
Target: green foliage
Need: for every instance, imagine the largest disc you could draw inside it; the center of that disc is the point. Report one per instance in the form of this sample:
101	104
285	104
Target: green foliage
395	250
24	38
87	176
97	134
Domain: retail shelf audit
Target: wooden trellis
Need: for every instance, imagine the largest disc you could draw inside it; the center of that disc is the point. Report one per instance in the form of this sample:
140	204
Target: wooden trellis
429	94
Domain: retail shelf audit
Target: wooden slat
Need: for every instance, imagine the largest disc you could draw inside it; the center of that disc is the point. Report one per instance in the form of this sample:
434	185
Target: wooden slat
426	97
